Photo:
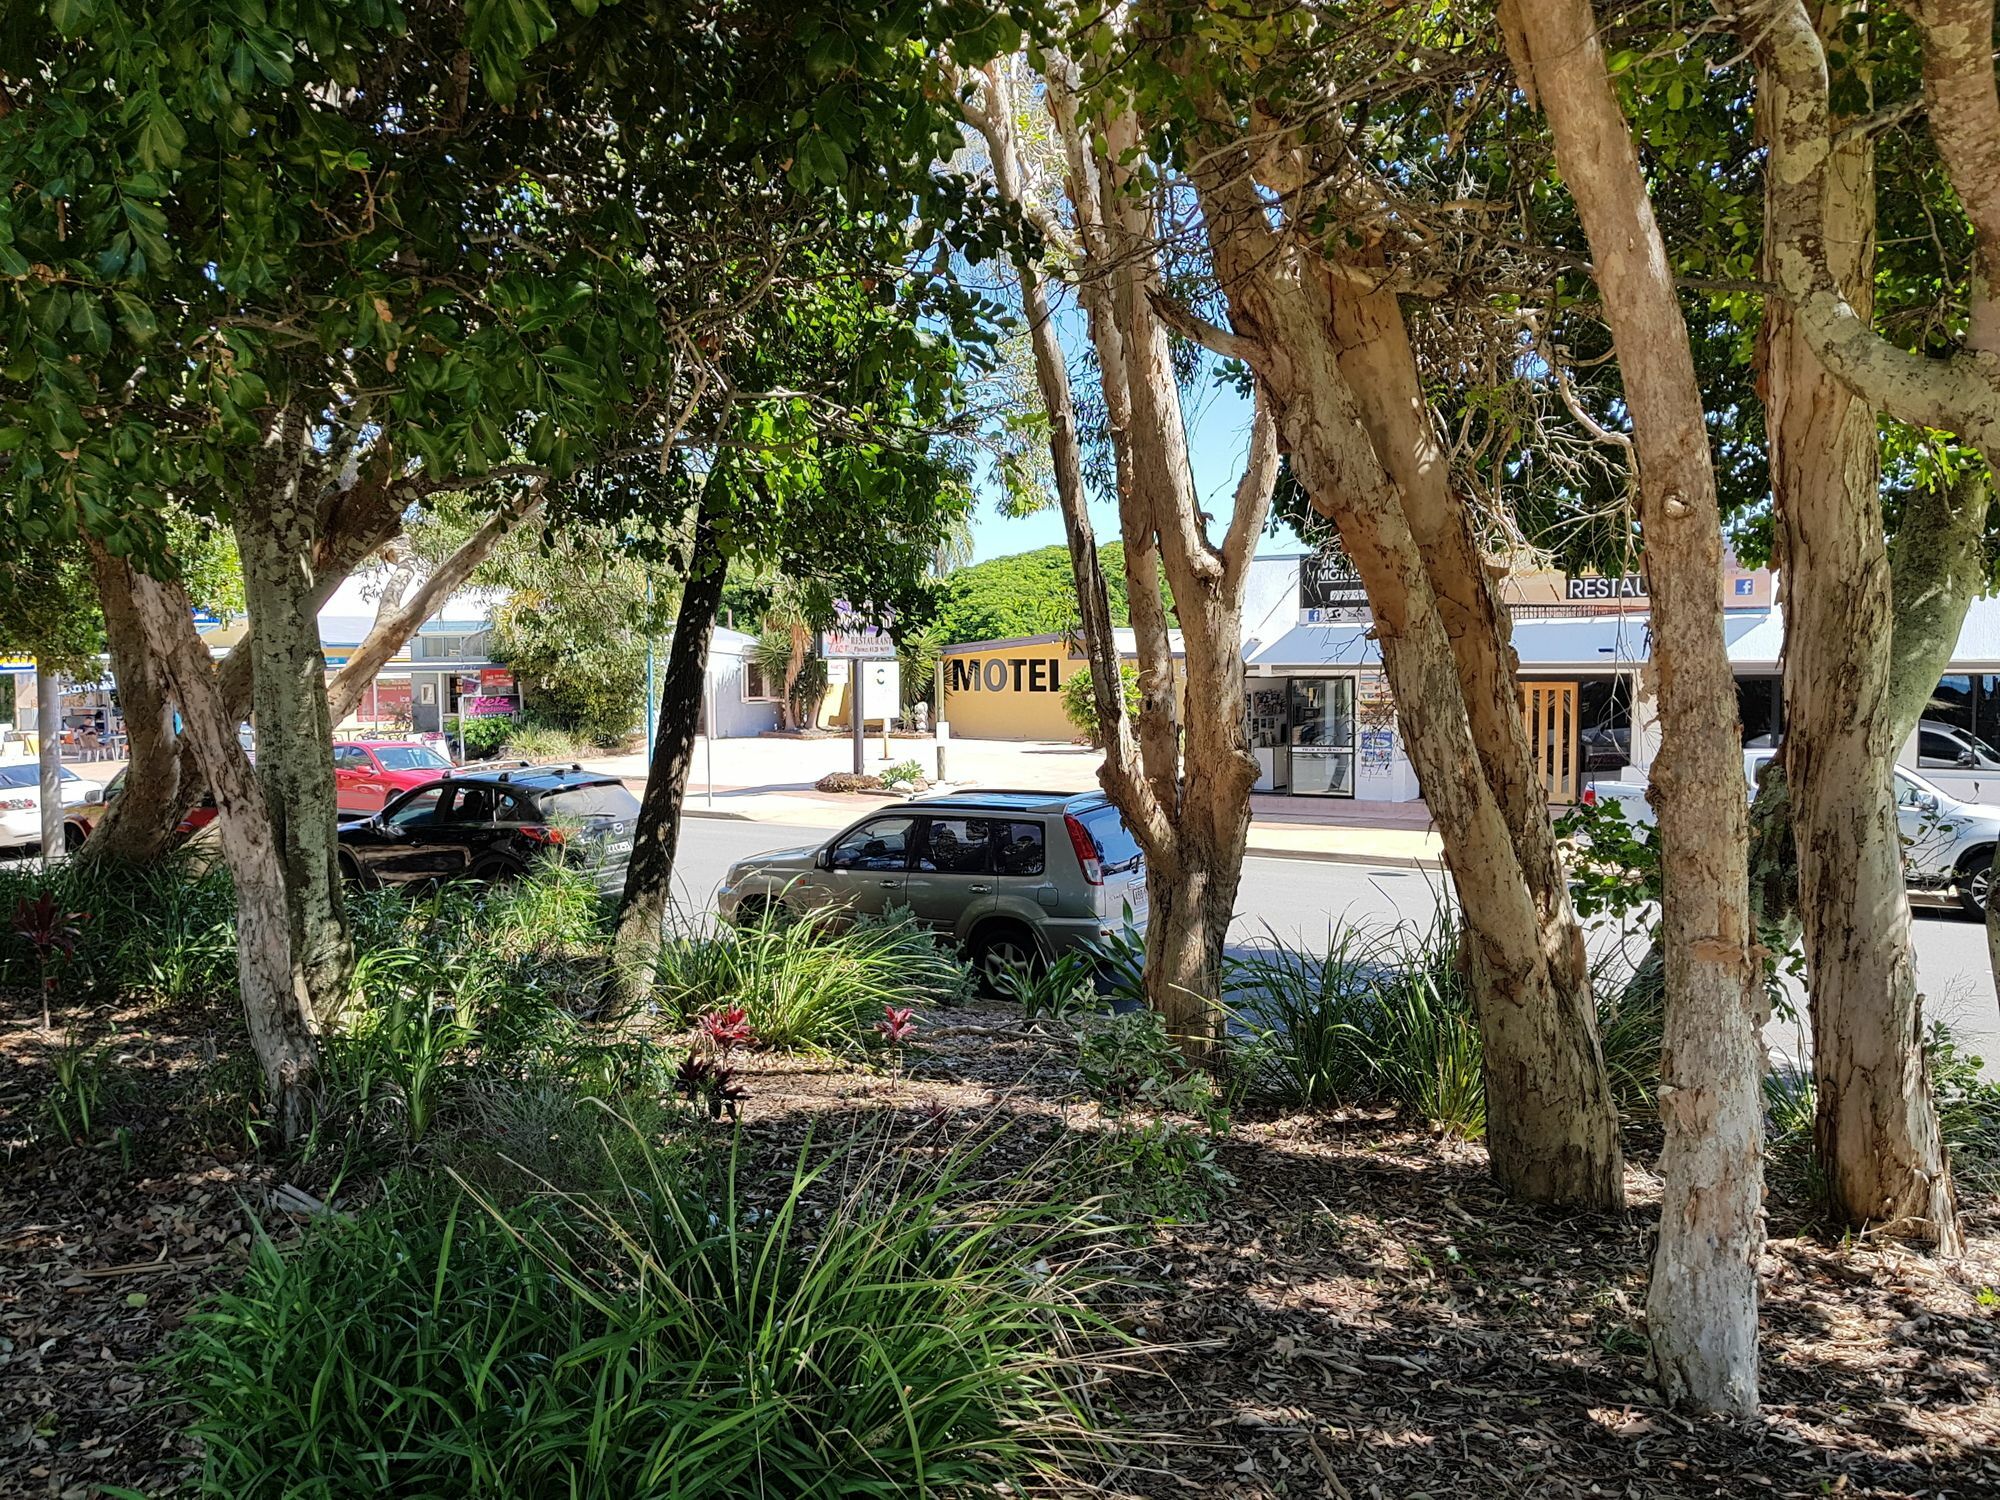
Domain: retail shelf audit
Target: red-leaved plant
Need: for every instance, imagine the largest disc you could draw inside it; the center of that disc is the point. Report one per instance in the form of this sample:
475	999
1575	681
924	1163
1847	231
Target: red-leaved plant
898	1024
708	1084
53	933
728	1029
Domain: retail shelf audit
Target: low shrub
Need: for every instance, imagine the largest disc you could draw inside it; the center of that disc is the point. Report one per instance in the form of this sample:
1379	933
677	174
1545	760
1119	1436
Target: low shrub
801	985
1160	1171
165	931
1059	991
906	773
848	781
873	1328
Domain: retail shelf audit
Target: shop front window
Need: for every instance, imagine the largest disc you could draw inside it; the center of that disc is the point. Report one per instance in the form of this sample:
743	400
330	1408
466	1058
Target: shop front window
1322	736
1759	705
1604	725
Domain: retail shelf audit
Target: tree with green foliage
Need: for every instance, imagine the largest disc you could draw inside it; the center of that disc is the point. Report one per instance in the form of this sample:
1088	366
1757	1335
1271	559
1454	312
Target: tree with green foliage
1079	700
1027	593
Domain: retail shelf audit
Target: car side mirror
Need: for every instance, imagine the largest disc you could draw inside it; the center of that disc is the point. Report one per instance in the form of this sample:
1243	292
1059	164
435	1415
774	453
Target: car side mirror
1967	761
823	860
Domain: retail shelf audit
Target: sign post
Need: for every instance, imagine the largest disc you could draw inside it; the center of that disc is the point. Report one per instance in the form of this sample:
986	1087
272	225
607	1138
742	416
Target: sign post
856	641
48	744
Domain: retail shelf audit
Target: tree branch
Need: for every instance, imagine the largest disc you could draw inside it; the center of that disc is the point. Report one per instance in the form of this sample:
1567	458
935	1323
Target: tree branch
390	631
1190	325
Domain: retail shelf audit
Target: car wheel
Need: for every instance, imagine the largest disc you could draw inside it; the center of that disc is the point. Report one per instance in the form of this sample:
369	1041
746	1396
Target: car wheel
351	872
998	947
1975	882
73	838
753	911
495	869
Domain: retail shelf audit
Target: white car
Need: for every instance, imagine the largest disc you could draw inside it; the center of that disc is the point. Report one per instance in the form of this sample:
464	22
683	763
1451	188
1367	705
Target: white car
1948	845
21	806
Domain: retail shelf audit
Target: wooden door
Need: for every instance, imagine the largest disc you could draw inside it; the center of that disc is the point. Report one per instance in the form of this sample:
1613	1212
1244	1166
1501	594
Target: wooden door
1549	711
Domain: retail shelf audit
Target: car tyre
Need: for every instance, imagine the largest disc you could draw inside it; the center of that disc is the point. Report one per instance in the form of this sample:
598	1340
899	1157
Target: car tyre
495	869
753	911
351	872
1975	882
73	838
997	947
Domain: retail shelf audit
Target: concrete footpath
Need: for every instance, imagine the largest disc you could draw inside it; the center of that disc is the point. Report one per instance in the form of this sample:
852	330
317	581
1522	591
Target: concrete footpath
771	780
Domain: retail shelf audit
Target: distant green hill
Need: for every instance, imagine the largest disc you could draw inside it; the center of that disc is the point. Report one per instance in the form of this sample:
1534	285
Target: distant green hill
1029	593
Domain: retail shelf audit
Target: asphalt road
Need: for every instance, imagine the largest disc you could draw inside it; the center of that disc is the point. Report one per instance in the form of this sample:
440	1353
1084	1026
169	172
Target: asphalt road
1301	901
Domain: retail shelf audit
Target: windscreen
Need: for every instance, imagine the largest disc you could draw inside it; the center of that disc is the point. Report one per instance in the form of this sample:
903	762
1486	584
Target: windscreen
410	758
602	799
19	776
1117	850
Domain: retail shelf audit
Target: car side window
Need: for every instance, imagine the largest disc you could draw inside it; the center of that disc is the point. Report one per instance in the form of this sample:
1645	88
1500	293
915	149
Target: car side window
883	844
1908	793
475	805
511	809
1022	851
421	810
350	758
958	846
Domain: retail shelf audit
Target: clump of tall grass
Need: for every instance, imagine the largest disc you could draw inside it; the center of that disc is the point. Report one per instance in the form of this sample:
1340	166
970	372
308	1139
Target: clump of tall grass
1381	1017
803	985
165	931
877	1326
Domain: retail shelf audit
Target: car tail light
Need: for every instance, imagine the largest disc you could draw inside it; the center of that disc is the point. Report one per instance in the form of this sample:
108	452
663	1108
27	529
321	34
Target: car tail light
1086	851
1589	798
540	833
17	804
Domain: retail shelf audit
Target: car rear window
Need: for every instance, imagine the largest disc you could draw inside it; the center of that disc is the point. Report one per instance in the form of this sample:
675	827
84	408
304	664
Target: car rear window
19	775
410	758
601	799
1117	850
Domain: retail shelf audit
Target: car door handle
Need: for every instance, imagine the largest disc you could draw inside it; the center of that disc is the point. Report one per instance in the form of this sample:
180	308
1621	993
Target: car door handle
979	890
890	883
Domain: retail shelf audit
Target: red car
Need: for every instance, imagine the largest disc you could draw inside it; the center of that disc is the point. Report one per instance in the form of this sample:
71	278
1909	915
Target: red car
367	773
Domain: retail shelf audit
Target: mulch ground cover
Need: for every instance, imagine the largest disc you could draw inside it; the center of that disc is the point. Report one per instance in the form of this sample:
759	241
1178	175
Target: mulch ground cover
1362	1316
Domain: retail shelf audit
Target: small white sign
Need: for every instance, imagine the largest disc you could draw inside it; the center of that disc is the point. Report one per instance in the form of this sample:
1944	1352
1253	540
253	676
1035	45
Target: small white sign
836	672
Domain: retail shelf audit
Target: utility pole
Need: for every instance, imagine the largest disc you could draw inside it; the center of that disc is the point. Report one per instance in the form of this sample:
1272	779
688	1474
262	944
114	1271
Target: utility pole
855	697
48	740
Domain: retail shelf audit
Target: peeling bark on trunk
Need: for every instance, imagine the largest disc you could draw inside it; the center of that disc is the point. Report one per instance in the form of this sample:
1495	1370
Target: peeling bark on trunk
642	910
275	535
277	1006
1875	1129
135	828
1702	1305
1370	463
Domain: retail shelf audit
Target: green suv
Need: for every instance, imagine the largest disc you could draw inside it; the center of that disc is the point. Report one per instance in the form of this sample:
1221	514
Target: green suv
1015	878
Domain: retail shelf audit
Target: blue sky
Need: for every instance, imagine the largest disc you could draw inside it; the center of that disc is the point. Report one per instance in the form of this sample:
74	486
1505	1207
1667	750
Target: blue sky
1218	433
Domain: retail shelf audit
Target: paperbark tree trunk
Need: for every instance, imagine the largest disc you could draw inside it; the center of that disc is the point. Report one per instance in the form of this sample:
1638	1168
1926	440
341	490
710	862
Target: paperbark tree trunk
642	909
1192	895
277	1005
1702	1305
275	535
132	831
1875	1127
1370	463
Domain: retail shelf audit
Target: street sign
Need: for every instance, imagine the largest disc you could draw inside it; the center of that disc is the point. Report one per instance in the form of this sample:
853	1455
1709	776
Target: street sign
1330	589
855	637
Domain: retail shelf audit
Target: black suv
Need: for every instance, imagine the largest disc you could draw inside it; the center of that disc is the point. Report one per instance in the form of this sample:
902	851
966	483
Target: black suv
491	825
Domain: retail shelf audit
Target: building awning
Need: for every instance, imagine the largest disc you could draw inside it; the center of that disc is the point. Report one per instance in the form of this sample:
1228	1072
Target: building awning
1601	643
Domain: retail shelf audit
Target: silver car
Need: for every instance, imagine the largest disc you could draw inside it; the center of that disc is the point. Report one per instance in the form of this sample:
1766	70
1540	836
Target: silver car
1948	845
1015	878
